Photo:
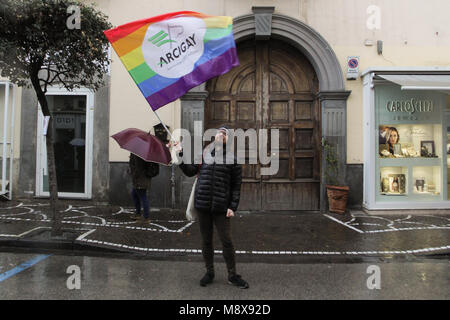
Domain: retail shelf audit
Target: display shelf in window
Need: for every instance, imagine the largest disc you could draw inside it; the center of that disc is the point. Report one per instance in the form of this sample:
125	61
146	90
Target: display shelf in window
401	141
426	181
394	181
387	162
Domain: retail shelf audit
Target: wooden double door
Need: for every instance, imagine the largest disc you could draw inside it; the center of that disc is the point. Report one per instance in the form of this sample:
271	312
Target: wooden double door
274	87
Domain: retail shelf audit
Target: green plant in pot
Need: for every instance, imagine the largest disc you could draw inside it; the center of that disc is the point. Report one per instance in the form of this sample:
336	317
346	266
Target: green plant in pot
337	192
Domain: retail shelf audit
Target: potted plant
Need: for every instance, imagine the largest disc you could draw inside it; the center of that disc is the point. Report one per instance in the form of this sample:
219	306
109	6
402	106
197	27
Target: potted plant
337	192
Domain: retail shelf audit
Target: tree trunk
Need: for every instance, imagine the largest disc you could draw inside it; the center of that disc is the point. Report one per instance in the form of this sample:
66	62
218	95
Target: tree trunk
52	180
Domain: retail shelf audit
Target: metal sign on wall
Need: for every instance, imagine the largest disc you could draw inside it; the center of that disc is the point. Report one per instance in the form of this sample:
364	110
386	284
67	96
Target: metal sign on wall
352	67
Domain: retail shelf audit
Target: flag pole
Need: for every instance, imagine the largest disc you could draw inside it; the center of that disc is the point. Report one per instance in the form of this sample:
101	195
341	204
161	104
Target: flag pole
172	168
170	134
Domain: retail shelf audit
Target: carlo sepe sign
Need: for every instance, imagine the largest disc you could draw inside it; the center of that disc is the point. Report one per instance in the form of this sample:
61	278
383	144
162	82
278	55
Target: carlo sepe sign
403	106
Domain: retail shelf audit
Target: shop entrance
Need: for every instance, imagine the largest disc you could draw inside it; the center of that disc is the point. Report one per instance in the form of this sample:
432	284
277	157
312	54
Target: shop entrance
72	133
274	87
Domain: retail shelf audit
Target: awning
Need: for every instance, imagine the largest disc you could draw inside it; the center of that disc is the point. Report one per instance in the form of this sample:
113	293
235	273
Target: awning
419	82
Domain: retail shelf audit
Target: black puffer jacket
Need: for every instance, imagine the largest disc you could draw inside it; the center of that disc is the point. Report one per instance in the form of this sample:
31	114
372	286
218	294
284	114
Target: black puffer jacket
218	186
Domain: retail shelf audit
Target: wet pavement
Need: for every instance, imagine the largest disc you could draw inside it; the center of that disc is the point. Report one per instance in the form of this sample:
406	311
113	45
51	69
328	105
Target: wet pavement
266	236
52	276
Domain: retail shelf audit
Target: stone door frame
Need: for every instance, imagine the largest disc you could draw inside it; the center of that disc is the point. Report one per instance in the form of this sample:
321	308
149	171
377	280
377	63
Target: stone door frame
332	95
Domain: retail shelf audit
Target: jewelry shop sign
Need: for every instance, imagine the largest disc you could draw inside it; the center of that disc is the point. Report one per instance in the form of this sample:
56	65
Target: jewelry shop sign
397	106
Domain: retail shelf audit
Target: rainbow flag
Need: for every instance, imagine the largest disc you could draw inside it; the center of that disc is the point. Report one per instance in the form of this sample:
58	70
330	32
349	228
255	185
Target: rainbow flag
167	55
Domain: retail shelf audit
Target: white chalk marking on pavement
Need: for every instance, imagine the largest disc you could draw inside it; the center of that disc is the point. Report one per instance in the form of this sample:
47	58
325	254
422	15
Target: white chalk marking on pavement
44	216
21	219
407	218
368	224
29	231
84	235
101	219
23	234
185	227
408	229
85	215
36	205
389	225
8	208
159	226
412	222
82	212
256	252
433	216
16	214
118	212
116	224
74	217
20	213
20	205
348	226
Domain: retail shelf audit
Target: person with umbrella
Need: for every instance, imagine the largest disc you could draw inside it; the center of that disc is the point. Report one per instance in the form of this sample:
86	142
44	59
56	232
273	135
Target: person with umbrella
216	199
141	173
146	152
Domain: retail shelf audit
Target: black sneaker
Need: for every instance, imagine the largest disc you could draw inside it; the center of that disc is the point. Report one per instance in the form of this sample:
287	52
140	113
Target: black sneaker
238	281
207	279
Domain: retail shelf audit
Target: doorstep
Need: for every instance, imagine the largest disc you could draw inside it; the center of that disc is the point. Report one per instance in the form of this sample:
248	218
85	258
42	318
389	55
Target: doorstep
406	211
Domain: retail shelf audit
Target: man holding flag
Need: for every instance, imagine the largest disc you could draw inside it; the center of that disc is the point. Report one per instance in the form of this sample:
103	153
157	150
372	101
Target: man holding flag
216	198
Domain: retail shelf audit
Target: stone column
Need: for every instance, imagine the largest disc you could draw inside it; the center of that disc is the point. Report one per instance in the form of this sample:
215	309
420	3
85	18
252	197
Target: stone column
334	129
192	109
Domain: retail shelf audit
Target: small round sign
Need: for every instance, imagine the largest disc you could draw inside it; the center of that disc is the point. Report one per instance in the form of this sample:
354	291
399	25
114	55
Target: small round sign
353	63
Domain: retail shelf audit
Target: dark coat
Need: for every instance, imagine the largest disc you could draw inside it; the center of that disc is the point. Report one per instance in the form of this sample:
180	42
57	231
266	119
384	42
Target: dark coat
218	186
139	171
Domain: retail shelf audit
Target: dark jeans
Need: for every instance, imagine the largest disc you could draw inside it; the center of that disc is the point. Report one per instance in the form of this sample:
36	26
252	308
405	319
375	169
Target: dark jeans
207	220
140	196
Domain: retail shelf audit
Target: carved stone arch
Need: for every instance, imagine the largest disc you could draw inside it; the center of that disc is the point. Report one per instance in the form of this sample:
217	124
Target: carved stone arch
305	39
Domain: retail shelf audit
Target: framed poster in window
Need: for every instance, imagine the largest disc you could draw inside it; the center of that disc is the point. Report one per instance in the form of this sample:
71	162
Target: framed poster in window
427	149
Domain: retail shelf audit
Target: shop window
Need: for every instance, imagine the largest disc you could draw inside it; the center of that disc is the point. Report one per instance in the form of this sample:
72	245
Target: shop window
393	181
427	181
447	151
413	141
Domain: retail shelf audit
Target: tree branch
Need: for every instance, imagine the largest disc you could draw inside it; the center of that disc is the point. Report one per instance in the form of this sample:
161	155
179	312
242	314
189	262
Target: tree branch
53	70
52	74
48	78
62	81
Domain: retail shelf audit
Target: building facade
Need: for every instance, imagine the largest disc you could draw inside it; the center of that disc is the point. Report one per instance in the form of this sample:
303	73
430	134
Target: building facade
315	70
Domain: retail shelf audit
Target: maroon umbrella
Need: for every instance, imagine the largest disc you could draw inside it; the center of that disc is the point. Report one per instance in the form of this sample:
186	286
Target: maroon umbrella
144	145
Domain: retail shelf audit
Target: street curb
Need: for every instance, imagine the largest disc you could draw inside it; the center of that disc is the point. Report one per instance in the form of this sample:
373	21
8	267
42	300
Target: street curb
65	245
73	247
